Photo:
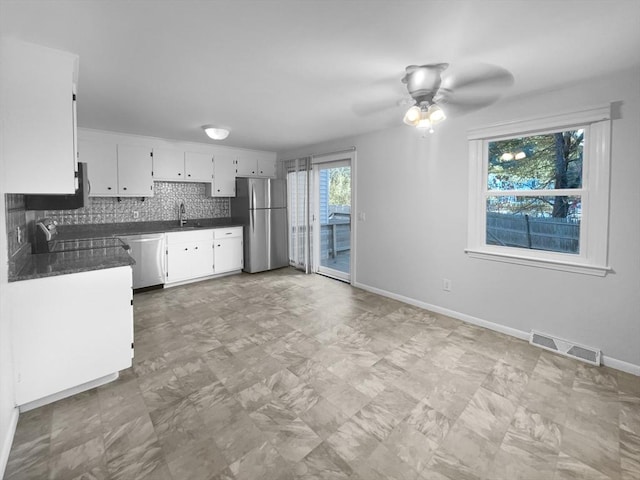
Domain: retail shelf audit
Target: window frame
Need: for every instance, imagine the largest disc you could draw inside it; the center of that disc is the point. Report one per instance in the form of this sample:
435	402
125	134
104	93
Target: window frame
594	224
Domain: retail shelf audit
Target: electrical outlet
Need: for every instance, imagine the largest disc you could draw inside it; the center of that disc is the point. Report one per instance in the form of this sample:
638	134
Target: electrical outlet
362	216
136	214
446	285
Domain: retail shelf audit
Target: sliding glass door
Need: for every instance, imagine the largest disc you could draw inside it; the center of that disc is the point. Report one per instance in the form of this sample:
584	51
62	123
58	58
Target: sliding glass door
332	219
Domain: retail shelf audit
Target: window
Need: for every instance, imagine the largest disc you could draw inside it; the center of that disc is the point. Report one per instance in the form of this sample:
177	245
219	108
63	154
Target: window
539	191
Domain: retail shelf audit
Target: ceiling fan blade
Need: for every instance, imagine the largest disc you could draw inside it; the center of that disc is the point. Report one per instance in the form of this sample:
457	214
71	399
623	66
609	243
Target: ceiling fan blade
368	108
475	75
386	93
473	86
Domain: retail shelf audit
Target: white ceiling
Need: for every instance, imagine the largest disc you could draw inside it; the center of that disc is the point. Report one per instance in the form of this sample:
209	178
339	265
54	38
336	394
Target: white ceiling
287	73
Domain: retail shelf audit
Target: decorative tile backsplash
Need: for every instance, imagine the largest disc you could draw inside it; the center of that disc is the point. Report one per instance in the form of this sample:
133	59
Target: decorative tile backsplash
164	205
16	222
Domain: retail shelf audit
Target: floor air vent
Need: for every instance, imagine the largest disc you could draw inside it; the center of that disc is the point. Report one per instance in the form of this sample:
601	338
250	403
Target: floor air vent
565	347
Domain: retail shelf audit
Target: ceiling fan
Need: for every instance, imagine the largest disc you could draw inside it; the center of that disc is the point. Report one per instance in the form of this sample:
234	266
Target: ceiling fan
438	90
461	90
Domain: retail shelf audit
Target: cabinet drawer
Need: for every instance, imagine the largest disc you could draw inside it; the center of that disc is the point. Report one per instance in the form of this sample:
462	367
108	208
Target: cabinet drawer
230	232
189	236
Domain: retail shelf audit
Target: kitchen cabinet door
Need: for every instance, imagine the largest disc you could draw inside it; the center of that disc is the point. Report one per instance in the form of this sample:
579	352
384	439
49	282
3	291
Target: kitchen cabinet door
102	166
189	255
168	164
227	249
256	164
246	166
37	118
134	171
267	167
224	176
198	167
79	330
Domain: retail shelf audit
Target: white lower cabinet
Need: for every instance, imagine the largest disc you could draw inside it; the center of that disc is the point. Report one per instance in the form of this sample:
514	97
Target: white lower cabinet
79	329
189	255
227	249
195	254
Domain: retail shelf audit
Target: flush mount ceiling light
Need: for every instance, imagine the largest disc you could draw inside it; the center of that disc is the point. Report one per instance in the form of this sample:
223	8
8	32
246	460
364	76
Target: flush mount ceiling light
216	133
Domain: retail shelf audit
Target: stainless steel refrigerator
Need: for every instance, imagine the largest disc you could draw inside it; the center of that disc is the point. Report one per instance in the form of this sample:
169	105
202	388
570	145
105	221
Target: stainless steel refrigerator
260	205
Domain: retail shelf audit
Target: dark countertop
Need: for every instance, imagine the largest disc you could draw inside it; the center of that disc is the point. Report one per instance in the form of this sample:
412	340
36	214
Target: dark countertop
42	265
63	263
66	232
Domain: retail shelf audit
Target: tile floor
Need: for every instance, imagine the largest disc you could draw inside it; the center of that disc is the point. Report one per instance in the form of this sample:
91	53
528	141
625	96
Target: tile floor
286	376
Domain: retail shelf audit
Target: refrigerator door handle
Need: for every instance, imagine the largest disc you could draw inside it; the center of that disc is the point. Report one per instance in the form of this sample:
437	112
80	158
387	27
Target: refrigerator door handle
269	246
253	204
252	220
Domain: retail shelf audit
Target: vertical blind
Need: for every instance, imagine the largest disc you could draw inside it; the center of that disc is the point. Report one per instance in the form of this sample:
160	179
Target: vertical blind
299	179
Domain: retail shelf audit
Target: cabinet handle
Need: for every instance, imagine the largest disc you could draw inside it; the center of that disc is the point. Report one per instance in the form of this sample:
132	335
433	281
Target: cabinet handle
179	174
108	188
186	249
124	188
189	175
196	248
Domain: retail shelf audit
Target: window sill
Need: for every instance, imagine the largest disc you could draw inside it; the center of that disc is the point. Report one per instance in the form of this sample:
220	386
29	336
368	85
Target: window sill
585	269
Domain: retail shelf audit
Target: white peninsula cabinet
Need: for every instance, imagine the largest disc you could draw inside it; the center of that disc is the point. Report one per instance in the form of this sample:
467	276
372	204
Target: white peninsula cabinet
117	170
37	118
79	330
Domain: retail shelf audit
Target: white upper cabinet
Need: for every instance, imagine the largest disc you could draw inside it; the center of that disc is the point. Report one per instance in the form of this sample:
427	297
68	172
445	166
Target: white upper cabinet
256	164
267	167
117	170
122	165
178	166
102	166
134	171
168	164
198	167
37	86
224	175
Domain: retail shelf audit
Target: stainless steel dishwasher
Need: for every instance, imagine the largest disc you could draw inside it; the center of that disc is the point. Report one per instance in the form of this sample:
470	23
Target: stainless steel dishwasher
149	253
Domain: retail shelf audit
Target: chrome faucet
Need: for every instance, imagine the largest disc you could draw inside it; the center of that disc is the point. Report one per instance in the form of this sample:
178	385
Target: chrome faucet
182	215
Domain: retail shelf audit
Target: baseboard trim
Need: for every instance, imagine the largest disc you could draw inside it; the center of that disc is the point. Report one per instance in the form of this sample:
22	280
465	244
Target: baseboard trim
7	441
25	407
200	279
606	361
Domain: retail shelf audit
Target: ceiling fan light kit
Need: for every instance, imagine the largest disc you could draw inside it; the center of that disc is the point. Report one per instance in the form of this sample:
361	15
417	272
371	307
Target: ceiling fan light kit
424	117
216	133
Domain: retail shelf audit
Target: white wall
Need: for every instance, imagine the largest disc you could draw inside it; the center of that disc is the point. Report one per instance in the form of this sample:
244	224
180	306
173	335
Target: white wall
8	411
414	192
